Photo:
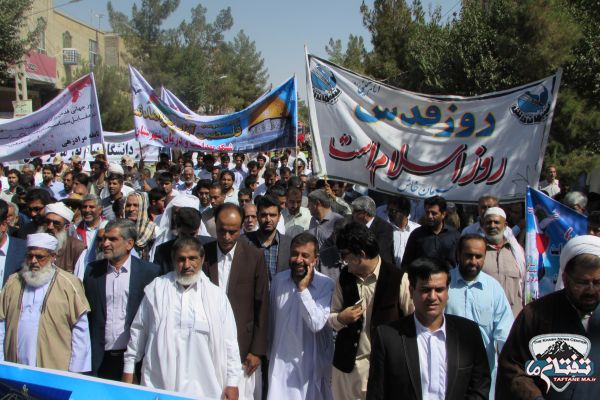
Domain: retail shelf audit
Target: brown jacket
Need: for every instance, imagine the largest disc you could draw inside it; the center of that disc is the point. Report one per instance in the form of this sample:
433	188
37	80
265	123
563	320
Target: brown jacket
67	257
248	293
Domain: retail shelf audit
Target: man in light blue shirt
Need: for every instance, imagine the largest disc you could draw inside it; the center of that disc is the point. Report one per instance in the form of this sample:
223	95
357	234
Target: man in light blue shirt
479	297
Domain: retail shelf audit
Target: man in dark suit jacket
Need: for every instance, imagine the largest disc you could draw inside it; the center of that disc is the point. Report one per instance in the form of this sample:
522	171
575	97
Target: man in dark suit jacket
239	268
12	249
364	211
187	223
403	352
109	325
276	247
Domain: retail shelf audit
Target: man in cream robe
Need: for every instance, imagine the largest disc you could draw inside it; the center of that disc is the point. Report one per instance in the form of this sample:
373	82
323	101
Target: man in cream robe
185	331
43	313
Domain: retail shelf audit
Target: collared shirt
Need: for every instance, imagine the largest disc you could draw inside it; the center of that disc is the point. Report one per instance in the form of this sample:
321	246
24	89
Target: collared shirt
483	301
298	223
54	188
432	361
400	239
424	242
27	332
239	177
107	208
3	255
232	197
270	253
500	263
224	264
323	229
301	341
551	188
182	188
117	293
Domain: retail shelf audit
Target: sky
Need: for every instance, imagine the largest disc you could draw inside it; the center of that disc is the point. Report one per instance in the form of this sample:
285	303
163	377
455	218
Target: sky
280	28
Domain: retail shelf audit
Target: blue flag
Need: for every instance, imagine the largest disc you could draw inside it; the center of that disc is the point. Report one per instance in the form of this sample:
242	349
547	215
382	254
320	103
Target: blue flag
549	226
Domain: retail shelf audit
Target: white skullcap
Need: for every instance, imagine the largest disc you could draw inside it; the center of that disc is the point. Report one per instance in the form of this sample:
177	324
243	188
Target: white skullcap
495	211
584	244
61	209
185	200
42	240
114	168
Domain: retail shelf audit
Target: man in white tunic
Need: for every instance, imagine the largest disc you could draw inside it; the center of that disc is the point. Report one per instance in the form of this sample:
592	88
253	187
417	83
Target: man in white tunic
301	349
185	331
43	313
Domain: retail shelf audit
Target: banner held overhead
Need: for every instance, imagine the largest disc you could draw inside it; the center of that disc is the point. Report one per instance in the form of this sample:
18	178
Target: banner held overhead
420	145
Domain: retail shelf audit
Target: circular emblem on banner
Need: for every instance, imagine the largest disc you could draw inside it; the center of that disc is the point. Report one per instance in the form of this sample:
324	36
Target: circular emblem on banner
324	84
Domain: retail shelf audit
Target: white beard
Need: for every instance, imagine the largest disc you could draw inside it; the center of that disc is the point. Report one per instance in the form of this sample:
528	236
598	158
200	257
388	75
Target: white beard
187	280
495	239
60	236
39	278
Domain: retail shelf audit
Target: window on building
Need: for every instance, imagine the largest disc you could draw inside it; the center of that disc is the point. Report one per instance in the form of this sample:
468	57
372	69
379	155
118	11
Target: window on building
67	40
93	48
41	26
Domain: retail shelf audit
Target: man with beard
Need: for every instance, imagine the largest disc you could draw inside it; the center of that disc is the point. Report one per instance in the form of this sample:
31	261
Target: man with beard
70	251
97	177
250	218
67	181
369	292
299	366
14	177
189	179
323	218
185	331
208	216
296	217
363	211
92	222
226	180
50	183
434	239
36	200
114	286
275	246
573	310
12	249
43	313
81	182
239	170
76	164
504	258
238	268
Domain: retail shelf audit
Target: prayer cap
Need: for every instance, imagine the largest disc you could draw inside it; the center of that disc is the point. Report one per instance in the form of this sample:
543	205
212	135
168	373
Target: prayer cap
114	168
42	240
185	200
61	209
495	211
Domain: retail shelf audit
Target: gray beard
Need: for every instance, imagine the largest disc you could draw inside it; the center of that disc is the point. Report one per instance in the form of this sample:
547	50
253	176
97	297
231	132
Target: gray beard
39	278
495	239
187	280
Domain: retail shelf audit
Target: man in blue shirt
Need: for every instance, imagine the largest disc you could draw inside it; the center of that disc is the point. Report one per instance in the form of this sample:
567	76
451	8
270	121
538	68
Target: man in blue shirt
479	297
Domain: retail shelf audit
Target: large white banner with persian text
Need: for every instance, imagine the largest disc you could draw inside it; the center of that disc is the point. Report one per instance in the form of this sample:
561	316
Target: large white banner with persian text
71	120
421	145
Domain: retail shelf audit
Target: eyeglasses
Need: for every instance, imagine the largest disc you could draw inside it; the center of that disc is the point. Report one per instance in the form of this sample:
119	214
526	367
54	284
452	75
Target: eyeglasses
57	224
39	257
581	285
35	209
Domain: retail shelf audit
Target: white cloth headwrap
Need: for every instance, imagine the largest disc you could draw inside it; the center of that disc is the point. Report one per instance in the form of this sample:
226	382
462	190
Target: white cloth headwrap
114	168
42	240
60	209
494	211
584	244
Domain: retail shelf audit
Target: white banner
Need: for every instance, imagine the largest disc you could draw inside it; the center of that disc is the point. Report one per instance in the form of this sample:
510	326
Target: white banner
421	145
118	144
71	120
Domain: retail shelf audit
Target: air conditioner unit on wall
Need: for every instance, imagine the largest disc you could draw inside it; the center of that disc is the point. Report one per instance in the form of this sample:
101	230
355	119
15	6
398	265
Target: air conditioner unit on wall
71	56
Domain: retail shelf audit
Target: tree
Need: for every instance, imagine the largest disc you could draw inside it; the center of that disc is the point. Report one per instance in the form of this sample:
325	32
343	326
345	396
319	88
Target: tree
12	45
354	56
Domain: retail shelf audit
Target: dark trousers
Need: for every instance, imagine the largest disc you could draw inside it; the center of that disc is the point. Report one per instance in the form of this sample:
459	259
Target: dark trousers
112	365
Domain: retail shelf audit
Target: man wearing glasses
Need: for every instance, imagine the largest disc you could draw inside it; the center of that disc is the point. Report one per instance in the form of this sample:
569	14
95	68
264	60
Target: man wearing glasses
43	313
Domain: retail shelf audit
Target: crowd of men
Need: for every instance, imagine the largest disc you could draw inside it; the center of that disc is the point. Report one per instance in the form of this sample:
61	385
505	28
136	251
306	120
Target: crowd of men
253	279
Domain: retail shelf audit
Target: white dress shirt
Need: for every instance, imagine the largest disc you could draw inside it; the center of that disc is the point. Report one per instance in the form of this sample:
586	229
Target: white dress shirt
117	294
298	223
27	333
400	239
432	361
3	255
224	264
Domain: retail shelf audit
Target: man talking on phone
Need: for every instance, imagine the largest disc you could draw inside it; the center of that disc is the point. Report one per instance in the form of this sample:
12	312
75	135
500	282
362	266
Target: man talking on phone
369	292
301	341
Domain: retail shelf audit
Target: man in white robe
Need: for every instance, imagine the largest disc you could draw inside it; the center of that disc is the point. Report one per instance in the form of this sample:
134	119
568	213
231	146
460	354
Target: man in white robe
301	341
185	331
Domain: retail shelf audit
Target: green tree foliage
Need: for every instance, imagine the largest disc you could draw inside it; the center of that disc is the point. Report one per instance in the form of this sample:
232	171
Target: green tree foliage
493	45
353	58
114	98
194	60
12	22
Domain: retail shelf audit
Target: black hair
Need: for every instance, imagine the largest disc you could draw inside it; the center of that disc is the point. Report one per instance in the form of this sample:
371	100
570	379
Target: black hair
82	178
423	267
156	194
227	172
250	180
42	195
466	237
3	211
115	177
251	164
49	167
261	156
165	177
356	237
188	217
305	238
277	190
436	201
183	242
245	192
584	260
401	202
267	201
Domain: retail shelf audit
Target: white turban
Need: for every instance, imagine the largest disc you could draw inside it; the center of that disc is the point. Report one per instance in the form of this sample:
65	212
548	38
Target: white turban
584	244
185	200
114	168
61	209
494	211
42	240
